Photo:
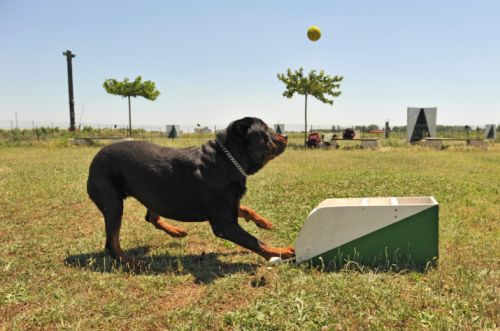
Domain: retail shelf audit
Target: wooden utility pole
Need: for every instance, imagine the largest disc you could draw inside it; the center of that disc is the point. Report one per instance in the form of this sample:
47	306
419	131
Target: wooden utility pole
69	57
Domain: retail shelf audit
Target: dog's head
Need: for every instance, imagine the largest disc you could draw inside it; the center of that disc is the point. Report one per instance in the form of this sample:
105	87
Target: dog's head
255	142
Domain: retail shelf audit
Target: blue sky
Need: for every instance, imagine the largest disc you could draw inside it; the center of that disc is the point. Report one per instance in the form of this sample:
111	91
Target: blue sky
215	61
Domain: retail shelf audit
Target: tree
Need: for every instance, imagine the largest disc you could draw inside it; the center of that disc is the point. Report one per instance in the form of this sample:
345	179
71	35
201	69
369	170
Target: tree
137	88
317	85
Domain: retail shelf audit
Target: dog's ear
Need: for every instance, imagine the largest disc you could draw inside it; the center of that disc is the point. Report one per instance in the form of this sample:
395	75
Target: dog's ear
241	127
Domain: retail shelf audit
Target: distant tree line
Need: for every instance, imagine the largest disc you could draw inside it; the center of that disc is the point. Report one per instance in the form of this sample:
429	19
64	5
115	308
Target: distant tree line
441	128
367	127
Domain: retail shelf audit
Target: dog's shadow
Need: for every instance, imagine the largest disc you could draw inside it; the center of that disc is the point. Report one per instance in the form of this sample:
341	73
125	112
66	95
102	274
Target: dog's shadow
205	267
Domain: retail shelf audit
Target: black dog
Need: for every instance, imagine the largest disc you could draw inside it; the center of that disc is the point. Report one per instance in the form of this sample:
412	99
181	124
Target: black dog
193	184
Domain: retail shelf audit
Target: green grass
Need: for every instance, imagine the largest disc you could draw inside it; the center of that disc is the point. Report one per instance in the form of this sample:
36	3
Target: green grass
54	274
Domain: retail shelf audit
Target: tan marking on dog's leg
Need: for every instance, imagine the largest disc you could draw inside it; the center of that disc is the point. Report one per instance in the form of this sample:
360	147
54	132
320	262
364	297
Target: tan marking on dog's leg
112	220
173	231
233	232
282	252
250	215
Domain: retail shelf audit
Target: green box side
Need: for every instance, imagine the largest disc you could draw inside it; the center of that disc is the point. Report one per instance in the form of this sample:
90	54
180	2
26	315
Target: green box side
411	242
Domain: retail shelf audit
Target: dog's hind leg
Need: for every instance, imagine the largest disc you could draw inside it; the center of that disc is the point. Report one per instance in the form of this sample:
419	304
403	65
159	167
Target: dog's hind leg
113	220
250	215
110	202
160	224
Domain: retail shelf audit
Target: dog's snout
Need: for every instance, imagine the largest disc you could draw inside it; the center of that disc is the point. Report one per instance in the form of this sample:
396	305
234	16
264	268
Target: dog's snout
282	138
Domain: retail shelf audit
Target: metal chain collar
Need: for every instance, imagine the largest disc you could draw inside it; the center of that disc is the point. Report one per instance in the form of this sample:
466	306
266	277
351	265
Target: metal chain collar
233	160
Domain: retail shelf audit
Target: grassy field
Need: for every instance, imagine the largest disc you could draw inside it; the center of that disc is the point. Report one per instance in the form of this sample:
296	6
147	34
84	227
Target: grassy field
54	274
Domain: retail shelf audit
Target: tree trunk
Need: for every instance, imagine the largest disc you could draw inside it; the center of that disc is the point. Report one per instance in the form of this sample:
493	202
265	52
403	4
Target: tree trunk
305	127
129	119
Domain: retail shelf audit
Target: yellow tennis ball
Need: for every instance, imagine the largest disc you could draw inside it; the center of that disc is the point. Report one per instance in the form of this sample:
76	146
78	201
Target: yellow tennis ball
313	33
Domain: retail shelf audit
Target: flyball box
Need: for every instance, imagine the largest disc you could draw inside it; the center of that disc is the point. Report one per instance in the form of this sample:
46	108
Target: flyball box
371	231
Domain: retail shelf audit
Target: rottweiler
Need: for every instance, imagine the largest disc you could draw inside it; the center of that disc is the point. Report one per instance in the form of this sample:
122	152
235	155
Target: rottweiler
193	184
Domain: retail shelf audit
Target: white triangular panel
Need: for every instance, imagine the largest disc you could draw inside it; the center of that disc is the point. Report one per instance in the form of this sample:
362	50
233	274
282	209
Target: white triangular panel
411	119
430	117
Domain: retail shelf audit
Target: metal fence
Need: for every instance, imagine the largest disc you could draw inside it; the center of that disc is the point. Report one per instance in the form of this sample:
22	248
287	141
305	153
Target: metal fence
195	128
184	128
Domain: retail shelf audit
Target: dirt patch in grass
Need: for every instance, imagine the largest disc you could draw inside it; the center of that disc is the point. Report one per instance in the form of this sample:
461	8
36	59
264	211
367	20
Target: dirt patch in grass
9	312
6	170
180	296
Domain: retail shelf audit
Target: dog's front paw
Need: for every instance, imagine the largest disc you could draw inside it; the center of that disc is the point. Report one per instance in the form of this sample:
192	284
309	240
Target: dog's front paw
287	252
